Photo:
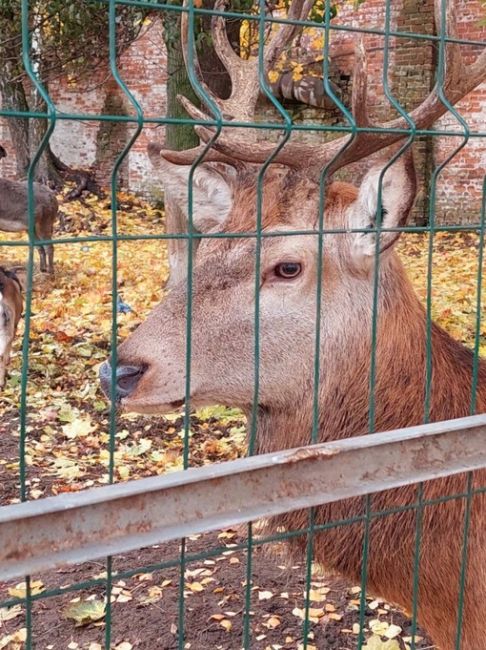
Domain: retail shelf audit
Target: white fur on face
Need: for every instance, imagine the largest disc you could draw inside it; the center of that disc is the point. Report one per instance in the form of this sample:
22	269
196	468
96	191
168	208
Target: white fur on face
397	195
212	195
5	334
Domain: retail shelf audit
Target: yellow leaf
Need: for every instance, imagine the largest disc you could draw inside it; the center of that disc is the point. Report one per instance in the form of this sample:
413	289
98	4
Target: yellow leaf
85	612
227	625
123	472
20	590
297	72
80	427
375	643
7	613
14	641
378	627
273	76
393	631
272	622
316	595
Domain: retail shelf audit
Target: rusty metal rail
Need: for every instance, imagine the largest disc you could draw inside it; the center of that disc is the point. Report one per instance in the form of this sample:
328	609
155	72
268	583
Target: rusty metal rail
72	528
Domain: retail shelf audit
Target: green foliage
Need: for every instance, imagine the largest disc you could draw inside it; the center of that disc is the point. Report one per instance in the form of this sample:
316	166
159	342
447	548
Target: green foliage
69	37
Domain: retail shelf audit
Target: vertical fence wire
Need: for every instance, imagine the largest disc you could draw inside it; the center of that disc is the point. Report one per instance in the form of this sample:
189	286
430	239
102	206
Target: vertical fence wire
33	75
112	42
189	238
441	71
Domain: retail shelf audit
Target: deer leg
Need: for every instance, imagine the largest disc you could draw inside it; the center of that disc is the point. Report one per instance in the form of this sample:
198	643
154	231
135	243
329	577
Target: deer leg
42	256
50	257
4	359
3	364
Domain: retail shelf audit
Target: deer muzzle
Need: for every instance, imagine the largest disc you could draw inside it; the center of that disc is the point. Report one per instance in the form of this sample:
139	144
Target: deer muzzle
126	377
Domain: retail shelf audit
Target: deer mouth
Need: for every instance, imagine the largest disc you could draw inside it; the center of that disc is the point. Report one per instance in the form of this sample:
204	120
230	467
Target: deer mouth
149	406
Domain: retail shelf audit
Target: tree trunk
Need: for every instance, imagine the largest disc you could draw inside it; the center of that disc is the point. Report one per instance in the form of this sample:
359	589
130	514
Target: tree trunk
182	136
14	99
45	171
177	136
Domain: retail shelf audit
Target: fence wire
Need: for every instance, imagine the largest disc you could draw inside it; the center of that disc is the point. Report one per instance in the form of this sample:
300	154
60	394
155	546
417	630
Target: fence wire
285	126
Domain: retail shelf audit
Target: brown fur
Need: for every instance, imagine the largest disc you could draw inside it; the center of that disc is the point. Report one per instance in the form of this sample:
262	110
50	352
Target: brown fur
223	372
10	312
14	214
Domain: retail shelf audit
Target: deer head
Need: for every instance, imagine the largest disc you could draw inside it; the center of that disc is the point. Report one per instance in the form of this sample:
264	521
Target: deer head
151	372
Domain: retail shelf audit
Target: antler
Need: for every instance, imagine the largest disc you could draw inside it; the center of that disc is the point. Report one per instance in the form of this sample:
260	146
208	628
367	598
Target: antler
244	77
243	73
459	80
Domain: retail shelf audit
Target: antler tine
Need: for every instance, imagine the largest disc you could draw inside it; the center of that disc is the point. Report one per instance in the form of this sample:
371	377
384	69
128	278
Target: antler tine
245	89
251	152
298	10
359	96
459	80
188	156
243	73
228	57
453	58
192	110
188	105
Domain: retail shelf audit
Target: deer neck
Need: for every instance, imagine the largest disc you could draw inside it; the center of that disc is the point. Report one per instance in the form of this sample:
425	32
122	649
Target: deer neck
399	380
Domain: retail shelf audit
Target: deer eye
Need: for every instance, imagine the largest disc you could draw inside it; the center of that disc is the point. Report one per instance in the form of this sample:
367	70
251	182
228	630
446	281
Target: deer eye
288	270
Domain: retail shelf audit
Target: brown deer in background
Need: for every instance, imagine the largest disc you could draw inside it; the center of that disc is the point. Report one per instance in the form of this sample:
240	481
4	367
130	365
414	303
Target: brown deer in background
151	362
14	213
10	313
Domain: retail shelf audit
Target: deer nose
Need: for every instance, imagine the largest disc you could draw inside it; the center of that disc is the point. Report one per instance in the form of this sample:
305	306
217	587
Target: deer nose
127	378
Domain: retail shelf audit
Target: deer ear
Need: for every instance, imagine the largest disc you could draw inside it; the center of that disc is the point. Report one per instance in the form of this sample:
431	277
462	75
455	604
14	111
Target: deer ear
398	189
212	192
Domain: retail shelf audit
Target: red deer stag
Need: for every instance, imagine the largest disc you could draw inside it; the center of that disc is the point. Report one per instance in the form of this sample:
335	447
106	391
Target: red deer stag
151	362
10	312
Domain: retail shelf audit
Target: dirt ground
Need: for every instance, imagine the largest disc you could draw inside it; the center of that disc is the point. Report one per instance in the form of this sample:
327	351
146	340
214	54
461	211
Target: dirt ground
145	607
145	601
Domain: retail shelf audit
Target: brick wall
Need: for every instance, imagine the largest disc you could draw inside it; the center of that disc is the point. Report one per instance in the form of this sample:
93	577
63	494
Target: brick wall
411	72
411	76
86	143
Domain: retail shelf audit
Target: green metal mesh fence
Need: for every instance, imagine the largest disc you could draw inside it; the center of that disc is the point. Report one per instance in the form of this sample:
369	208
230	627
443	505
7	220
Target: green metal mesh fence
286	126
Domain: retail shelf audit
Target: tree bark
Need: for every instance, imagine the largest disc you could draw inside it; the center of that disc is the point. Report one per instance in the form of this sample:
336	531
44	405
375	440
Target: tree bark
14	99
45	171
177	136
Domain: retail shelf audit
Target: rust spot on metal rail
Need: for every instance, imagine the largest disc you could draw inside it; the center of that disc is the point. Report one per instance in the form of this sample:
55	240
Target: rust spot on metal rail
310	453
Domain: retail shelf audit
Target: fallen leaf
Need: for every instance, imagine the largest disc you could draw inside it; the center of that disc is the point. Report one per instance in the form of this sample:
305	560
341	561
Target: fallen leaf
85	612
265	595
375	643
81	426
272	622
8	613
20	590
14	641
